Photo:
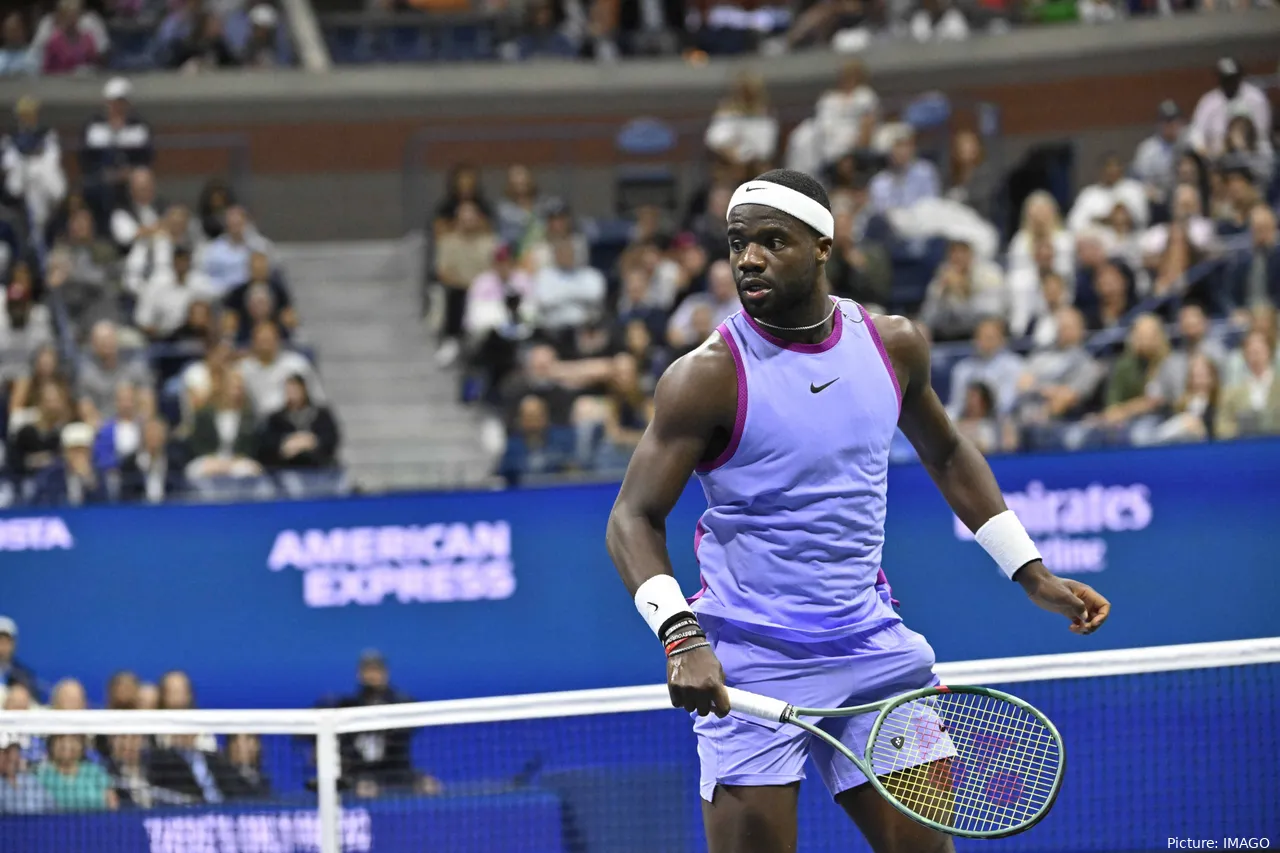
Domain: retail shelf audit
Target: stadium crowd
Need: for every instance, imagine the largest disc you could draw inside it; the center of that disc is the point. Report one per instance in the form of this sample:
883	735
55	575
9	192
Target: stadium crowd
97	773
82	37
146	346
1143	310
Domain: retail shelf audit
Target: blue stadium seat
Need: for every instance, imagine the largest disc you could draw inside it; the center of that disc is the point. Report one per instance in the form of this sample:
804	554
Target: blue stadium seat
639	183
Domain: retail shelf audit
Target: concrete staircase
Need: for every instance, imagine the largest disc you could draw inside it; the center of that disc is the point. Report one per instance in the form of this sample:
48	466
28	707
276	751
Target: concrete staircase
402	424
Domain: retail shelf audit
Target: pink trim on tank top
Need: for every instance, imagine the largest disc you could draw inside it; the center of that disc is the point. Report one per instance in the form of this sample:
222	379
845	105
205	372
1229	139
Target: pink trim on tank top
740	417
700	592
884	354
881	580
832	339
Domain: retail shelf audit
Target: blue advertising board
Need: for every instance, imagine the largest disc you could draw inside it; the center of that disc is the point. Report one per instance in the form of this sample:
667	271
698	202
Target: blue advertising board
469	594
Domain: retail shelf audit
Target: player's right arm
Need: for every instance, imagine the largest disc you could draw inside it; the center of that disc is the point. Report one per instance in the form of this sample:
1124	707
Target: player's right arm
694	407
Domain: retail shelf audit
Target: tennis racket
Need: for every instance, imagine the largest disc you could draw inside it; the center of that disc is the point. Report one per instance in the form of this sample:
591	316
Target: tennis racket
967	761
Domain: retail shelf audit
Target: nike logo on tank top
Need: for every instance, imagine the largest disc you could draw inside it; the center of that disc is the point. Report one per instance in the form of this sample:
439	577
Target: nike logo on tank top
790	543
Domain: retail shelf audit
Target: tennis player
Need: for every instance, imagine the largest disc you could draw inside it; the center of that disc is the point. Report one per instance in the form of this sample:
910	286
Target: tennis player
786	415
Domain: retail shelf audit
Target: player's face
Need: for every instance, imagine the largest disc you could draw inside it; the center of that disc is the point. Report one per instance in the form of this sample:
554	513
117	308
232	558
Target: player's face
776	260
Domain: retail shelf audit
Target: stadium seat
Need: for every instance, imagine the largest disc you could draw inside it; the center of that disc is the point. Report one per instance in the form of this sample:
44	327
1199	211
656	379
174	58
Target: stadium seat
639	183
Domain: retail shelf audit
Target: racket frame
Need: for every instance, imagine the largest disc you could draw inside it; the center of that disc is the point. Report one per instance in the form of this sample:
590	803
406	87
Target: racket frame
791	715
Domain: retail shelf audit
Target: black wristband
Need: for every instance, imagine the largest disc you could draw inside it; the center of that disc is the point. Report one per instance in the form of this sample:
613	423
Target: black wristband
668	627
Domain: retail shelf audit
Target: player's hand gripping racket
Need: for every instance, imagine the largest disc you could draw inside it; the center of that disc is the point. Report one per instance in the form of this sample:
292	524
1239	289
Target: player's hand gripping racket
966	761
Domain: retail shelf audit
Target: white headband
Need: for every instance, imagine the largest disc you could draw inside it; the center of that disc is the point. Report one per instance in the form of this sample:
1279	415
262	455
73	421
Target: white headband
788	201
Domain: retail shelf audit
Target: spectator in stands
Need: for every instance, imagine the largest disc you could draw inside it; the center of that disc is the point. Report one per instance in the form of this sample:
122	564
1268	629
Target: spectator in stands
226	259
600	34
73	481
243	754
16	59
1112	303
1246	144
190	769
128	761
103	368
122	691
1195	410
70	39
521	206
652	29
1216	108
197	328
567	294
197	377
542	36
1058	382
165	302
115	142
650	359
68	695
1170	248
1237	196
538	252
971	179
842	123
155	471
216	198
205	48
908	179
262	298
1041	220
224	439
262	50
720	301
858	269
302	434
638	303
977	419
1251	405
1156	159
462	254
499	296
151	258
138	217
1194	339
36	445
743	130
28	386
119	436
25	325
1122	237
963	290
1255	273
1027	302
1134	396
609	427
535	445
1095	202
13	671
148	696
990	364
82	273
544	376
373	762
175	29
463	186
20	790
31	159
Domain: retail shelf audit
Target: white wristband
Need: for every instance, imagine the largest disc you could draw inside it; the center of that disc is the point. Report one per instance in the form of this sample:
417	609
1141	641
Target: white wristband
1006	540
658	599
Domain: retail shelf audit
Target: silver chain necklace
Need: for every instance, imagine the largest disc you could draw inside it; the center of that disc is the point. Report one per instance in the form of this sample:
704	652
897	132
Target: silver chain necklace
821	322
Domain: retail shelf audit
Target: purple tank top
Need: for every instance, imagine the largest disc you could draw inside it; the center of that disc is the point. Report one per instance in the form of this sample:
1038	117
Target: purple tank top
790	543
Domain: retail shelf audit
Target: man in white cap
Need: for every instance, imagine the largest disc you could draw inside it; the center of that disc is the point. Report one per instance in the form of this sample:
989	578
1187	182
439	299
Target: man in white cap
114	143
260	49
74	481
11	671
1217	107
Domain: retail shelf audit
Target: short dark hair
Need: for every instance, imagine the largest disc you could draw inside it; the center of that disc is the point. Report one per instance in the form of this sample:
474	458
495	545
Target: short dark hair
800	182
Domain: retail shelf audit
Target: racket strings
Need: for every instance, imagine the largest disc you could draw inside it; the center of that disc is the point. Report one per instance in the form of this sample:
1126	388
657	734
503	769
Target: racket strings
967	761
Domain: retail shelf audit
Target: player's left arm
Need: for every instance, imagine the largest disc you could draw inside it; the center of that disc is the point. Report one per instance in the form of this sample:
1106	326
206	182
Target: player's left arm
964	477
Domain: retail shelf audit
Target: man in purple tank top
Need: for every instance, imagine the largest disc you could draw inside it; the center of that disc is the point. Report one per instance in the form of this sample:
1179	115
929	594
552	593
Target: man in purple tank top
786	415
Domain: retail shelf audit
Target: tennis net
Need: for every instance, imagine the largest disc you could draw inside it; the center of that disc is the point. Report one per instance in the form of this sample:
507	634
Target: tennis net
1165	744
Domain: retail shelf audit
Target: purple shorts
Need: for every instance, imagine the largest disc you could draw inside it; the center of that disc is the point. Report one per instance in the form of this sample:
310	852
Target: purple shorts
864	668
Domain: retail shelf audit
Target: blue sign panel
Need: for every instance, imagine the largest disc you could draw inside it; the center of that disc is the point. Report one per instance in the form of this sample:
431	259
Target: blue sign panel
269	605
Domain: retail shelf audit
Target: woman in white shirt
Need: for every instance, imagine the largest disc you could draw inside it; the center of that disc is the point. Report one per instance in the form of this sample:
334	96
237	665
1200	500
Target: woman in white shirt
1042	218
742	128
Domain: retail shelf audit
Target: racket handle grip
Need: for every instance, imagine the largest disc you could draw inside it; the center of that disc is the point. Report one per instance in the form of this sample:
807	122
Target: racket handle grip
755	705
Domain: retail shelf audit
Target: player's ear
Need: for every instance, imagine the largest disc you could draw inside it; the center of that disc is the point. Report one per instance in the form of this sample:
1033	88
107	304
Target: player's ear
823	250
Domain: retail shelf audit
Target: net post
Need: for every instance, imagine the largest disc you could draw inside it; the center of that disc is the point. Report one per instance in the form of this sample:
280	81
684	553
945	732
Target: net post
328	769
